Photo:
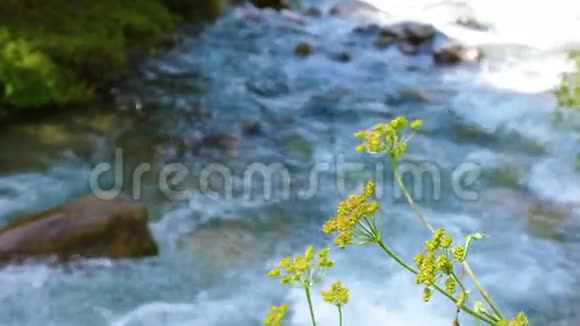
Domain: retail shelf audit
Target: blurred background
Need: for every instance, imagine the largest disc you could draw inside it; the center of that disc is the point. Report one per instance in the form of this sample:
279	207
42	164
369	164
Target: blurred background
201	82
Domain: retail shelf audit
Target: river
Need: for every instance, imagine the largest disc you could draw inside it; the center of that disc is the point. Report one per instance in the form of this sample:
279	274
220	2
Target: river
236	94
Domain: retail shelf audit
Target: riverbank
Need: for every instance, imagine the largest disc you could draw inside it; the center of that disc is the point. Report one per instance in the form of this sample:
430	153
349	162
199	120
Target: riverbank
57	53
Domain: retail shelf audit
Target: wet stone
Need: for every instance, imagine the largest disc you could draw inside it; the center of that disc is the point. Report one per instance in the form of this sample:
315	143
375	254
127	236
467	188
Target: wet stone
408	48
418	33
471	23
353	8
303	49
366	29
252	126
312	12
276	4
298	146
270	87
391	31
409	95
221	140
456	53
87	227
384	42
199	113
342	57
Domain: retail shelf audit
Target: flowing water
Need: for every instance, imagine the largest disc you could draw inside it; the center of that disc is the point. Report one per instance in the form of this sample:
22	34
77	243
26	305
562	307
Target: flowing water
499	114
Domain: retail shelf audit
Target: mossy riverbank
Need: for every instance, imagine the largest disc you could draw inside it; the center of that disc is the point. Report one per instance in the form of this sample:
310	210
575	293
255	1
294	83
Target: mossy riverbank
55	53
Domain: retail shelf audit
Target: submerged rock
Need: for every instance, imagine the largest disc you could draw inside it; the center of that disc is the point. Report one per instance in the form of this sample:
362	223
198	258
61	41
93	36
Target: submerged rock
546	219
409	48
342	57
409	95
198	113
223	244
312	12
366	29
221	140
393	31
252	126
303	49
298	146
271	86
383	42
87	227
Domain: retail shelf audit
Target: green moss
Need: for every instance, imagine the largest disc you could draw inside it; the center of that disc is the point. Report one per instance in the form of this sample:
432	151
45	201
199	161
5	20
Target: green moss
56	52
29	78
568	92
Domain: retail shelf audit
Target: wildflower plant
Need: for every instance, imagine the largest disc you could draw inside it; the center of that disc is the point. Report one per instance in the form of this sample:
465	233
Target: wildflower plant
441	265
354	222
276	315
304	272
337	296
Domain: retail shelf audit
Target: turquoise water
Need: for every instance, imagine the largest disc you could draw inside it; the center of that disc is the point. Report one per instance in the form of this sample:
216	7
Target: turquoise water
498	114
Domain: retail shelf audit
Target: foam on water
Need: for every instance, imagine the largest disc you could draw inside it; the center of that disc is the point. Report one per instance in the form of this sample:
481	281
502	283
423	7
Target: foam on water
396	301
542	24
553	179
27	192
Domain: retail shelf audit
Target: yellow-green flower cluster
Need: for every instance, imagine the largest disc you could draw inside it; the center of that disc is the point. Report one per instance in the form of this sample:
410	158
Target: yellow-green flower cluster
304	270
336	295
459	253
350	212
276	314
427	294
450	285
520	320
435	263
388	137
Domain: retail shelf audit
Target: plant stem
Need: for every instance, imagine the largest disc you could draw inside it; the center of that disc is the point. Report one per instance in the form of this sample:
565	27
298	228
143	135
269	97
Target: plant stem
339	315
397	258
490	316
424	220
483	293
409	198
307	289
459	282
439	289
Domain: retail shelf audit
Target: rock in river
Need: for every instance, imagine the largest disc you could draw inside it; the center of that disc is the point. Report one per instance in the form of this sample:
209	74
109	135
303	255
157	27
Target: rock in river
87	227
303	49
417	33
252	126
471	23
276	4
354	8
455	53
